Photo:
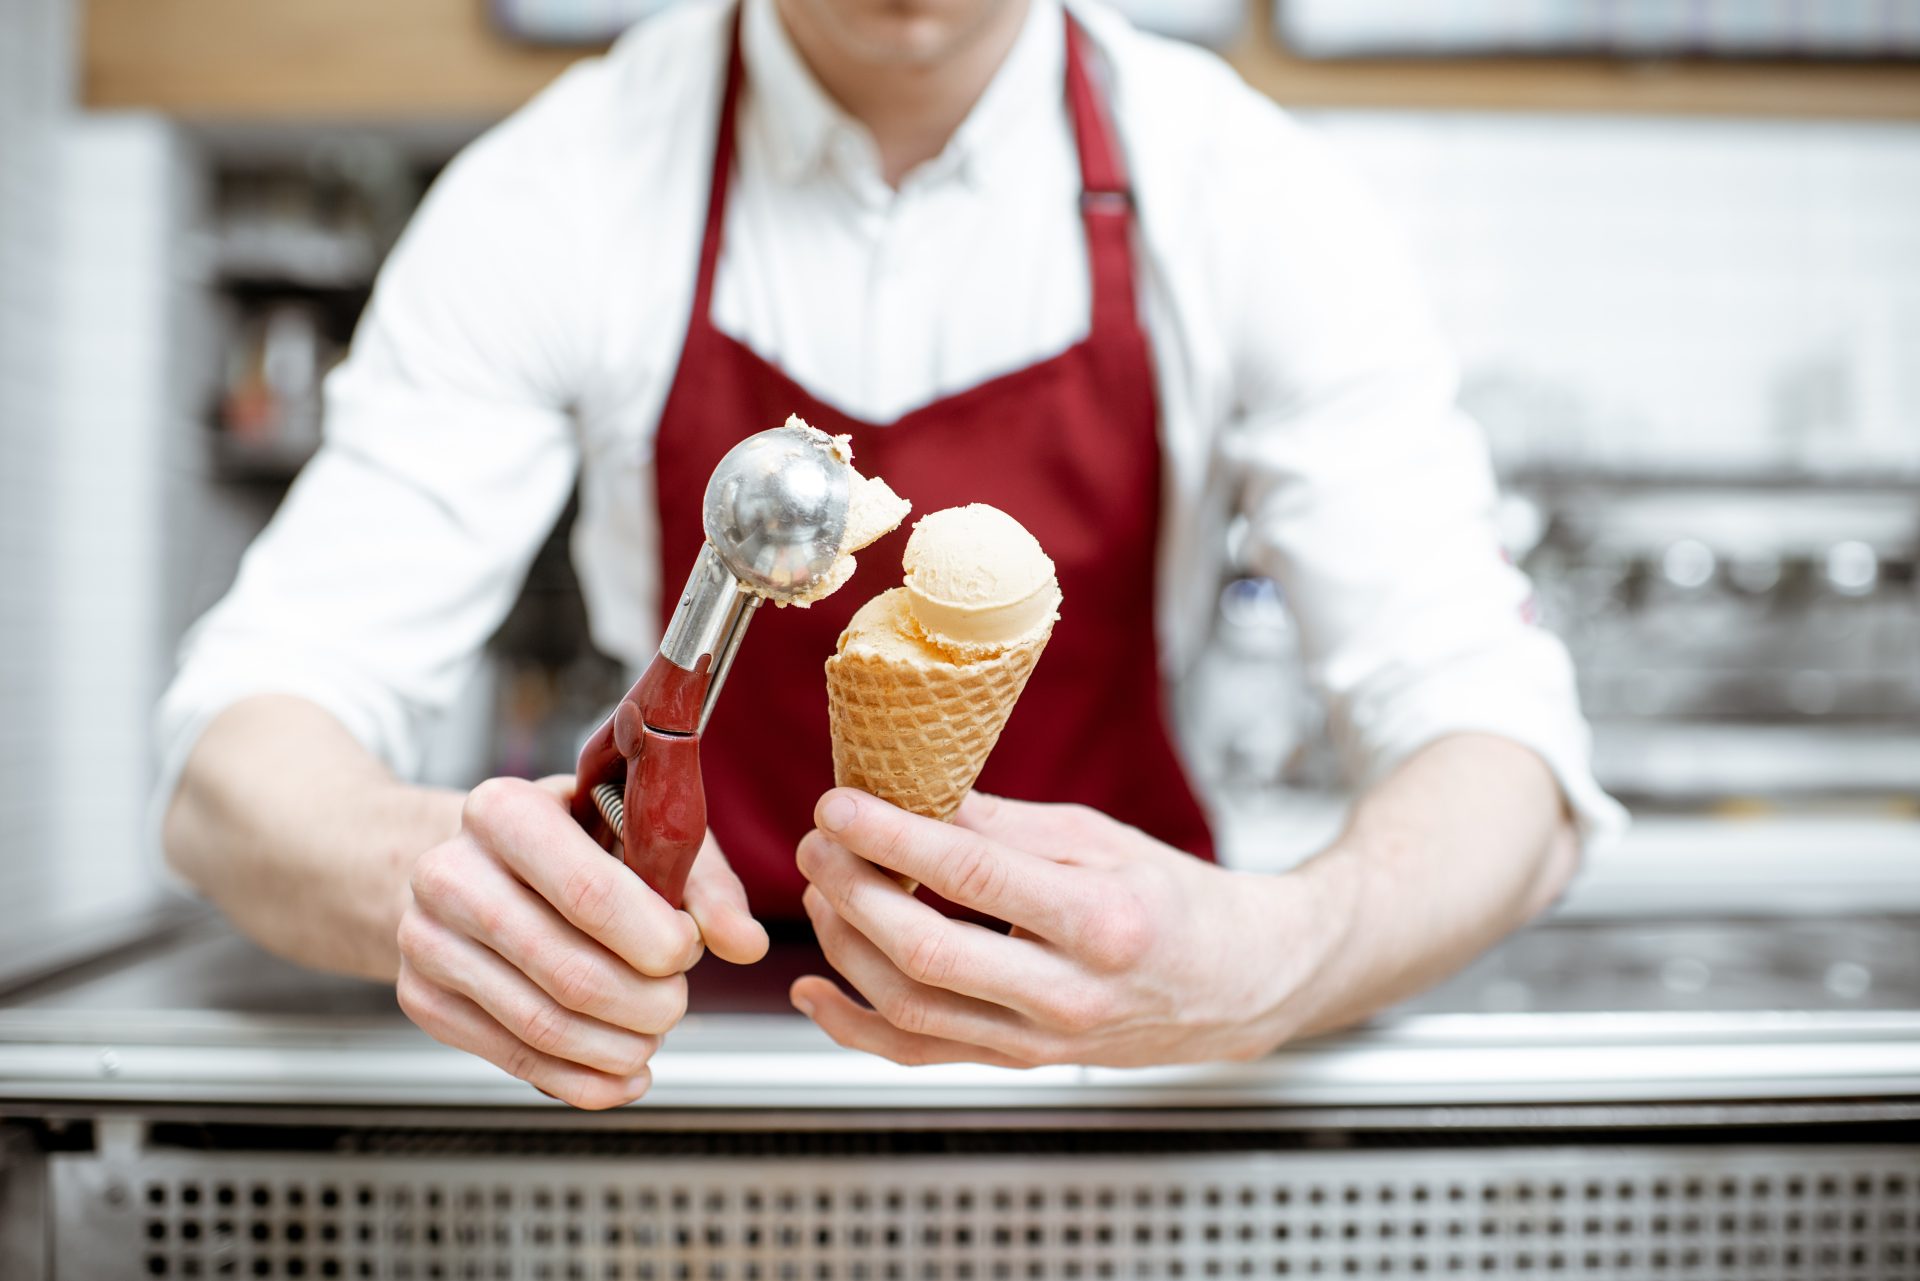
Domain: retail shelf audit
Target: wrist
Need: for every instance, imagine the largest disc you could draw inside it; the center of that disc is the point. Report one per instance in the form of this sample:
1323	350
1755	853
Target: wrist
404	821
1326	902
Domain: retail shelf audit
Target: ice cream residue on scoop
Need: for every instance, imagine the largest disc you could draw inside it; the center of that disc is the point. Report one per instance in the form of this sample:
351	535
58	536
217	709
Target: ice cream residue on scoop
873	510
977	583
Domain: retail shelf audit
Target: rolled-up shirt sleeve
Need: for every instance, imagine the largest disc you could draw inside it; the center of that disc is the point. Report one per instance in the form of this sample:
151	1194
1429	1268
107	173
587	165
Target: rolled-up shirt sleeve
1370	496
448	454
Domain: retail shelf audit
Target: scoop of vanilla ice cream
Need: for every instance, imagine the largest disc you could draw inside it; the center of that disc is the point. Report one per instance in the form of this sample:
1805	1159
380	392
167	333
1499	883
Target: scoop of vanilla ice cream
977	581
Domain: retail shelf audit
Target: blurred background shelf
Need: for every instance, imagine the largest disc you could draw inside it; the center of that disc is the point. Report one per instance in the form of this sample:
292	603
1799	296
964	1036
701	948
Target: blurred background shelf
266	462
322	264
1580	85
368	59
1828	29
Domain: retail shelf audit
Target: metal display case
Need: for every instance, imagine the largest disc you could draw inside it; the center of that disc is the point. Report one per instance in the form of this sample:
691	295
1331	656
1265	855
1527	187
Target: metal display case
195	1108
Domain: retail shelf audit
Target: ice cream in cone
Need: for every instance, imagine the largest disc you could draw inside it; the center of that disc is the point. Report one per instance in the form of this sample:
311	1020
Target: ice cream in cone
927	673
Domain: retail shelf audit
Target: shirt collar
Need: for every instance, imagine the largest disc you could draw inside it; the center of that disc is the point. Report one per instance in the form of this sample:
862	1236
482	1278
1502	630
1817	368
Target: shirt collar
806	127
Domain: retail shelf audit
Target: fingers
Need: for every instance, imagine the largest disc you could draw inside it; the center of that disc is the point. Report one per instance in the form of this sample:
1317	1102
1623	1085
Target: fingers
561	785
458	964
528	827
860	1029
454	1020
717	901
961	865
921	943
906	1005
1057	833
527	945
487	905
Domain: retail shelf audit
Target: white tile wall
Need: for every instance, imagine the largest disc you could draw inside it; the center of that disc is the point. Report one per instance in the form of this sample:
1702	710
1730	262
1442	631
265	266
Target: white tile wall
1668	293
82	386
115	415
31	93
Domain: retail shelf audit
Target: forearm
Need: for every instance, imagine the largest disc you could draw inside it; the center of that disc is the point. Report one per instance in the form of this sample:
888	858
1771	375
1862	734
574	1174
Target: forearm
300	836
1463	843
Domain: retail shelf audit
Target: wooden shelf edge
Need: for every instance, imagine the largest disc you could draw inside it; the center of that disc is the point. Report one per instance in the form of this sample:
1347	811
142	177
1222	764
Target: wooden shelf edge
1590	85
344	60
1586	85
366	60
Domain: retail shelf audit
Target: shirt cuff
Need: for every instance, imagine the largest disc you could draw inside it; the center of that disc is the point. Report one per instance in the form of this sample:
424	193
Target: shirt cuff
212	682
1494	695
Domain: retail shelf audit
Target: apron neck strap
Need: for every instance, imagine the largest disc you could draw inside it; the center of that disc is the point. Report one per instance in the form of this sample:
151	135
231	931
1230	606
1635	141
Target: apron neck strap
722	175
1103	173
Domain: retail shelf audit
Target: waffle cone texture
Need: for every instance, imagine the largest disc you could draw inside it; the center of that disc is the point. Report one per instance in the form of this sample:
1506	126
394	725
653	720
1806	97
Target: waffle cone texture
916	733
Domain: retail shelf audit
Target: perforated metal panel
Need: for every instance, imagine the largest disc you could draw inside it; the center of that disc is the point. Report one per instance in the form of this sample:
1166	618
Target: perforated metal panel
1628	1212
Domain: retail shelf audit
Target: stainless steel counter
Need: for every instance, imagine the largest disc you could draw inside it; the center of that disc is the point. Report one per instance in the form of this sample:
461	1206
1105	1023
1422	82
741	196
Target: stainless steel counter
1672	1098
1568	1012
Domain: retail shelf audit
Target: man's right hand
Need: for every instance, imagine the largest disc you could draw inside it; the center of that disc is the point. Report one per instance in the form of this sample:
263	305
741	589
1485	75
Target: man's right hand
528	945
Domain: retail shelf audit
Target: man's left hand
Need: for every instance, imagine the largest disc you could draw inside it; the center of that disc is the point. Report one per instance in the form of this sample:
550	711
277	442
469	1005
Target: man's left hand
1123	952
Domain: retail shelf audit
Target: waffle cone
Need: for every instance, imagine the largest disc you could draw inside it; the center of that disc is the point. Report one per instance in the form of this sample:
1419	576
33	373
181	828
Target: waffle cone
917	733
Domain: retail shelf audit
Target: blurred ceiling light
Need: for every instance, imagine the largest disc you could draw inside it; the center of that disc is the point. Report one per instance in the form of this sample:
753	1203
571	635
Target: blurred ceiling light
1688	564
1852	568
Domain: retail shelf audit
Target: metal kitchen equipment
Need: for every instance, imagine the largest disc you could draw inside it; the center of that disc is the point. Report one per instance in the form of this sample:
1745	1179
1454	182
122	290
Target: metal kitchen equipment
1752	635
775	516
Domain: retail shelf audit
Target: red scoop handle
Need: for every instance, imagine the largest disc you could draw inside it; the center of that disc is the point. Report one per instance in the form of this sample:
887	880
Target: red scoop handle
664	789
650	749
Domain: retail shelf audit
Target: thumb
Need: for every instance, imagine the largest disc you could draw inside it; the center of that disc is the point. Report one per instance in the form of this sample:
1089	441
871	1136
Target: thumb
717	901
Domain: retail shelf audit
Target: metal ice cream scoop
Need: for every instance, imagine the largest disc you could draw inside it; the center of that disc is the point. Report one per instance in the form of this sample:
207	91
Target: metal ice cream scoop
775	517
776	512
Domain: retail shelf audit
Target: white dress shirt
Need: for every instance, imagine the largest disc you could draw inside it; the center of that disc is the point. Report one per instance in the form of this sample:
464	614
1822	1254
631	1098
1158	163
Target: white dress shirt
526	329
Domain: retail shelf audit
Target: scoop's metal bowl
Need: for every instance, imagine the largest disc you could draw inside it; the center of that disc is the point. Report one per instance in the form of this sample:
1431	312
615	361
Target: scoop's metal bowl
776	511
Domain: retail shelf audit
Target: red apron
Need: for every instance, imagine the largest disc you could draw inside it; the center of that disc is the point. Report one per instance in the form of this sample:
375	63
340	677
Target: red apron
1068	447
